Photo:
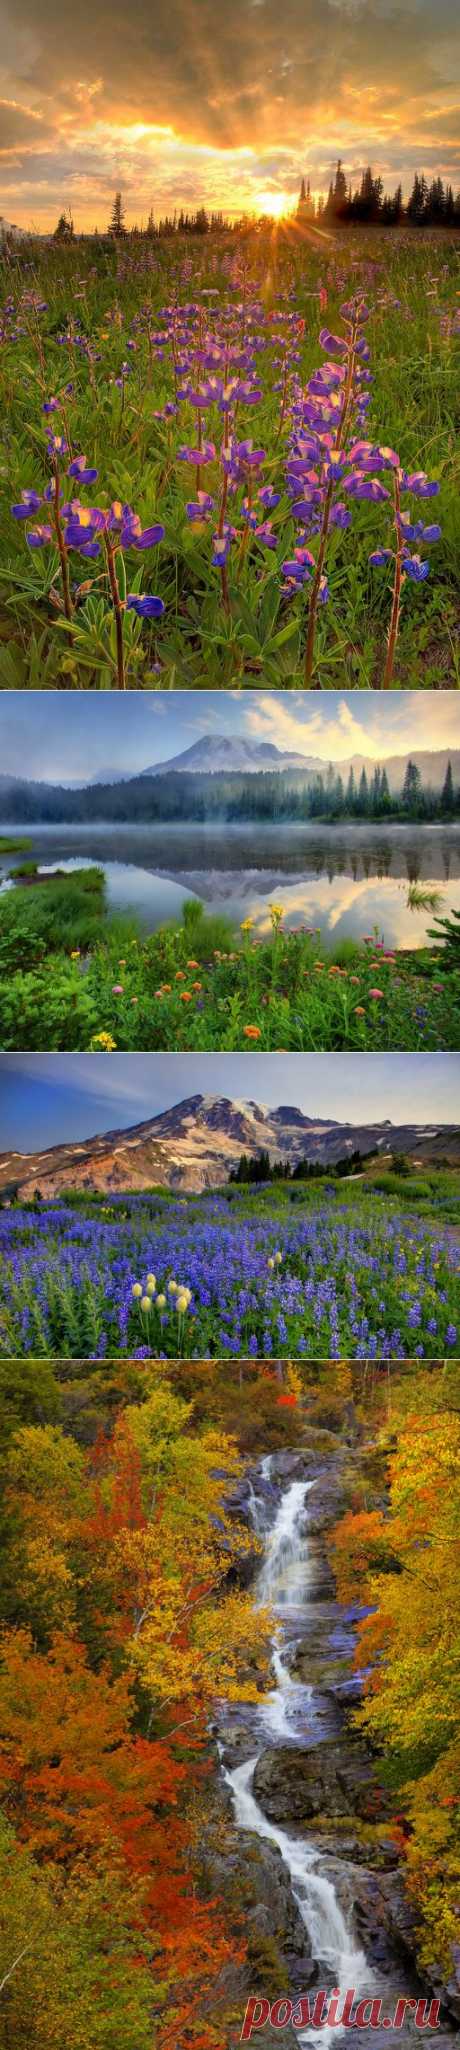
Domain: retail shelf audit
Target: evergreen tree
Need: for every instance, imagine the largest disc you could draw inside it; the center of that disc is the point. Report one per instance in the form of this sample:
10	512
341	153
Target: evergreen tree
447	794
340	190
65	229
417	205
117	223
412	788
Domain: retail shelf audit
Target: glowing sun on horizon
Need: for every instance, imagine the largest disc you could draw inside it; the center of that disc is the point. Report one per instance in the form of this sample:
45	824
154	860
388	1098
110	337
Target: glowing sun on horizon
273	203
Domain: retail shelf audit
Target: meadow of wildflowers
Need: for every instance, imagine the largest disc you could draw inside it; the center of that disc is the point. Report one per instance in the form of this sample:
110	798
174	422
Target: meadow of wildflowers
220	465
70	979
268	1275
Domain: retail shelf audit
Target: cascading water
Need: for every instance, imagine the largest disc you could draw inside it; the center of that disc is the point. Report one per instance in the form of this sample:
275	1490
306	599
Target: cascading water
283	1582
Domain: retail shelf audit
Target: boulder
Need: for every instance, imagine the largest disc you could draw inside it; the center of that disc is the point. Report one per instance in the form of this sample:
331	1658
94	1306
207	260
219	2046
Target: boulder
294	1786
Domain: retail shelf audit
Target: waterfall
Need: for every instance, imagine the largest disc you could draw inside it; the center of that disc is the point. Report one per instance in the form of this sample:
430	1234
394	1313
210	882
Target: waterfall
283	1581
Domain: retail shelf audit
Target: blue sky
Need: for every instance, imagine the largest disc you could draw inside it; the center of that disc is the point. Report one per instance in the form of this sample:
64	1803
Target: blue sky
47	1098
68	738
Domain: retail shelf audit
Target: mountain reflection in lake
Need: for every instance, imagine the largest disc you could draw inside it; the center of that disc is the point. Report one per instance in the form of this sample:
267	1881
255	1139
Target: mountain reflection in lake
344	879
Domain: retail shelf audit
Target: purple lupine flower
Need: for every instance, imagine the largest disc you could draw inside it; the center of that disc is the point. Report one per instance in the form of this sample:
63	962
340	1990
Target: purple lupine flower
414	568
420	485
265	535
197	456
30	503
200	508
79	468
221	545
269	498
365	488
149	537
146	608
57	445
37	537
340	516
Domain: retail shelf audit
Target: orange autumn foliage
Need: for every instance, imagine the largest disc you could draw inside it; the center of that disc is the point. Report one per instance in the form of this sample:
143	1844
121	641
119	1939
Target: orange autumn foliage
105	1696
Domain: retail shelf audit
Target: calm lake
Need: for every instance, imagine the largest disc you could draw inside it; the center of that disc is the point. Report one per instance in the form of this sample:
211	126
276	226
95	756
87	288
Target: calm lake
344	879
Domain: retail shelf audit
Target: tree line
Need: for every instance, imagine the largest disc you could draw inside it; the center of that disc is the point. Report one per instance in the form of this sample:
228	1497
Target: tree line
254	1168
428	206
431	205
263	795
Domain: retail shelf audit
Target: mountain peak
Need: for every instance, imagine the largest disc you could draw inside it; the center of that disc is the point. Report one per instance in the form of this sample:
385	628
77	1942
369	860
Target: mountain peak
194	1144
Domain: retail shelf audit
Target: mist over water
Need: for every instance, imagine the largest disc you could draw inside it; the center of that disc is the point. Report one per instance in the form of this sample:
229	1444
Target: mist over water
346	880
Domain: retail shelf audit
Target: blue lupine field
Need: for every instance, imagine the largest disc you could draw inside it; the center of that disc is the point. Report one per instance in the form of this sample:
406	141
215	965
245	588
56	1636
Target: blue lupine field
231	1273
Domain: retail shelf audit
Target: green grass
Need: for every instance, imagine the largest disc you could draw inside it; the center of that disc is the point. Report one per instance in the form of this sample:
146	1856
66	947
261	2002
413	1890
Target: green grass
63	912
414	408
71	979
18	845
26	871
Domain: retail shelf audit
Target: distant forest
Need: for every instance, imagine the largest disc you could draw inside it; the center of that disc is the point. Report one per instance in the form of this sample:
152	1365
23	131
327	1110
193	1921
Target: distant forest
433	205
234	798
428	206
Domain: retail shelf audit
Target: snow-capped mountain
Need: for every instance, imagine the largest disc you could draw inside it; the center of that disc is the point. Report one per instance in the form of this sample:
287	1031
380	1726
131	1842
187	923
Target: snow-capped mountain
219	753
195	1143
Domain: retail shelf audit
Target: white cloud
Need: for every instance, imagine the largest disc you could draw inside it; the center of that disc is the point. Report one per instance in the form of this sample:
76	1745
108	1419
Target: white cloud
385	726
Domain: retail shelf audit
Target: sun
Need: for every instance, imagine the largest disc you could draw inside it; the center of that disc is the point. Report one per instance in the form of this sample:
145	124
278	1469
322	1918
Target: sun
273	203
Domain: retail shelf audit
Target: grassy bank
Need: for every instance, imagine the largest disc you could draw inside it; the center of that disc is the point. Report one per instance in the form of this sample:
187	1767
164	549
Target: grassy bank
14	844
73	979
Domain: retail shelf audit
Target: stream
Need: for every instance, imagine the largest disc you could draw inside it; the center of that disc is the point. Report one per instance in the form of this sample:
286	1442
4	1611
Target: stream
305	1716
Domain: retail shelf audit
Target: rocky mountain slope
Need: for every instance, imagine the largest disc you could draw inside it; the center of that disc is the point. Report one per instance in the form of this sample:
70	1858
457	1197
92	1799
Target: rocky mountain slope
195	1143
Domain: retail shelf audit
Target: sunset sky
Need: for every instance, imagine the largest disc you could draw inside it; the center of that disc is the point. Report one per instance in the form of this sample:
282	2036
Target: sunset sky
67	739
183	102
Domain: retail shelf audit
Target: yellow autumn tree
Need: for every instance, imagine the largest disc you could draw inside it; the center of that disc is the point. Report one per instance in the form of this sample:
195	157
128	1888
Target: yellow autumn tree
192	1630
410	1641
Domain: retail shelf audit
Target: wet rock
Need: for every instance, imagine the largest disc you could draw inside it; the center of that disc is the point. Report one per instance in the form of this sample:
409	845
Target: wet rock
289	1466
448	1992
379	1856
276	1919
295	1786
380	1911
238	1499
251	1876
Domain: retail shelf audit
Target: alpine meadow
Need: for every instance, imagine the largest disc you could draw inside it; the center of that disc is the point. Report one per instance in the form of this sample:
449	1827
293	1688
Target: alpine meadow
230	459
